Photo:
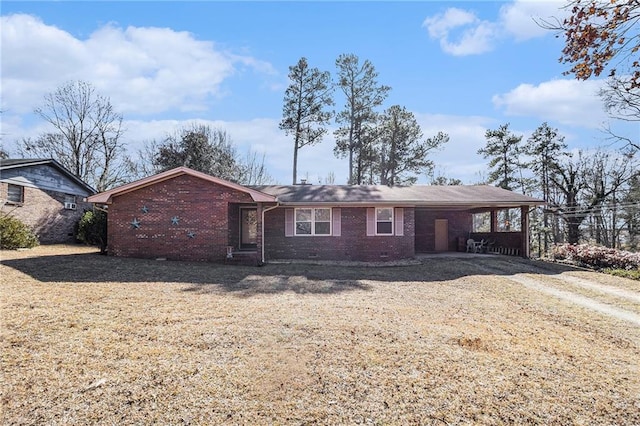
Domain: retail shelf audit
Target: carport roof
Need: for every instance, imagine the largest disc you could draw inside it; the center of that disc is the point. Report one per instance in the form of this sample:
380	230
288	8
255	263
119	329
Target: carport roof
471	196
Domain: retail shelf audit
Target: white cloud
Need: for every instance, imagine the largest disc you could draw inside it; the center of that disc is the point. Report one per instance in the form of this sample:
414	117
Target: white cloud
458	158
475	36
461	32
522	19
564	101
441	24
143	70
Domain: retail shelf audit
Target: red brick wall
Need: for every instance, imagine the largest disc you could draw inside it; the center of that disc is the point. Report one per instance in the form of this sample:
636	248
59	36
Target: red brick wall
44	212
460	223
353	244
202	208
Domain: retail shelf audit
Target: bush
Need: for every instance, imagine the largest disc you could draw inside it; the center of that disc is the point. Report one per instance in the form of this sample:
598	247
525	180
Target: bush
633	274
14	234
597	257
92	229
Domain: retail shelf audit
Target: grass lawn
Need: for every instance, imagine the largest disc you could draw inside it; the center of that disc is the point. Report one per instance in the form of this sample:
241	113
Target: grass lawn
91	339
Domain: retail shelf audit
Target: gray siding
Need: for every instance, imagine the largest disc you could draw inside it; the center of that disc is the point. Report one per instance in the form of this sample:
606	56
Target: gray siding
44	177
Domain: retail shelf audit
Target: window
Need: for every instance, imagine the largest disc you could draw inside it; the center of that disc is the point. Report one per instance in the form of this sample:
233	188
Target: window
15	194
69	202
509	220
384	221
482	222
313	221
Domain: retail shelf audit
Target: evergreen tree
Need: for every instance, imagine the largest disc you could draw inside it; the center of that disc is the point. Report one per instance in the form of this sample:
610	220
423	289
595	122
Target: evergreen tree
503	150
401	148
546	147
303	113
209	151
363	94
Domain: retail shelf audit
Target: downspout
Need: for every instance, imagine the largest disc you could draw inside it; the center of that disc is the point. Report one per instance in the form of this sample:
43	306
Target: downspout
262	229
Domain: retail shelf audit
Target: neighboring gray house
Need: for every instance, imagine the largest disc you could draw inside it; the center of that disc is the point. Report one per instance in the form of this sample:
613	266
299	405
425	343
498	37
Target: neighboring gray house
44	195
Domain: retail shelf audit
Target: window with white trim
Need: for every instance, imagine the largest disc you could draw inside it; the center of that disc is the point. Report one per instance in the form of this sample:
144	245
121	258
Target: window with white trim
15	194
384	221
313	221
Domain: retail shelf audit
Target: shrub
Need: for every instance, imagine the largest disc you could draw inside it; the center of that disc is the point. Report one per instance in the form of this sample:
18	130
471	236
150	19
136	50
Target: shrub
633	274
597	256
92	229
14	234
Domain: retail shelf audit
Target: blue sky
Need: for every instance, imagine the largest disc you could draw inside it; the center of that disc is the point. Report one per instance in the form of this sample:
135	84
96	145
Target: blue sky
460	67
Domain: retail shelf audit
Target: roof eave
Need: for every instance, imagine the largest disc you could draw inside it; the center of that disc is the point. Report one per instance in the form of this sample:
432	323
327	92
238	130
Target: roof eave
414	203
55	164
107	196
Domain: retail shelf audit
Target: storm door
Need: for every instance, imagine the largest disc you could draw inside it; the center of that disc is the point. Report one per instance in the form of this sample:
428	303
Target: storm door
248	228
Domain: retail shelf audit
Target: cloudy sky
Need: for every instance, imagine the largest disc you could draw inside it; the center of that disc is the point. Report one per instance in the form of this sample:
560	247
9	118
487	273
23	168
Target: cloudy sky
460	67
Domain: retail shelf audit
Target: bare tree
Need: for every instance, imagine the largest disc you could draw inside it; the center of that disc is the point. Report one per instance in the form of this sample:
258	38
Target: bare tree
607	175
86	138
592	185
602	35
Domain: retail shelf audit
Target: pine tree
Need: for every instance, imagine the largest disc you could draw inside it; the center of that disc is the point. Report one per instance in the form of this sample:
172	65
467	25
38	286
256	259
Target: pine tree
303	114
503	150
363	94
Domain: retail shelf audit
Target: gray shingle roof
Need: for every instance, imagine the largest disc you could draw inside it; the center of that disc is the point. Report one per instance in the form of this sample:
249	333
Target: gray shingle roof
418	195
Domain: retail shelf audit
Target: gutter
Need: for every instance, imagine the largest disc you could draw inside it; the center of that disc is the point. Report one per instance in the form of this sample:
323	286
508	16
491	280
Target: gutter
262	230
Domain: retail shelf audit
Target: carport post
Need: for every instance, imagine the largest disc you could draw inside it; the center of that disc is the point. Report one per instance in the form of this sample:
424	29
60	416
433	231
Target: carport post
494	220
524	228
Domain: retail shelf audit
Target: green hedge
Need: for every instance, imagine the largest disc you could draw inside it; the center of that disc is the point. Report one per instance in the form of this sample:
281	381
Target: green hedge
92	229
14	234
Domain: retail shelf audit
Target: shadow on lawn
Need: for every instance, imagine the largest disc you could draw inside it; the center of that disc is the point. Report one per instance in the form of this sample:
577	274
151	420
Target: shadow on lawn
272	278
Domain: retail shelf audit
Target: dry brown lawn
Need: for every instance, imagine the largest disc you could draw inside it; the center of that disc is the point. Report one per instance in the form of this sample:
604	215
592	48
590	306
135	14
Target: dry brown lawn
90	339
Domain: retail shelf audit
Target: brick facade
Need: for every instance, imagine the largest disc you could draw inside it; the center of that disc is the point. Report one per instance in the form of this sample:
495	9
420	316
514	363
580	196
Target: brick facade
352	244
182	214
459	225
205	213
44	212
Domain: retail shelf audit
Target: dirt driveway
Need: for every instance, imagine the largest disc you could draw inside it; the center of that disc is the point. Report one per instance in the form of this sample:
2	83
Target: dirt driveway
89	339
601	293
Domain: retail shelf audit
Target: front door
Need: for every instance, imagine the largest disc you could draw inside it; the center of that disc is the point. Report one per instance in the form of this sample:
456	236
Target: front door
248	228
442	235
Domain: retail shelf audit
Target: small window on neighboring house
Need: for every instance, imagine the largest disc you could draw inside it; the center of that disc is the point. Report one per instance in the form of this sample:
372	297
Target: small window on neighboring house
313	221
70	202
15	194
384	221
